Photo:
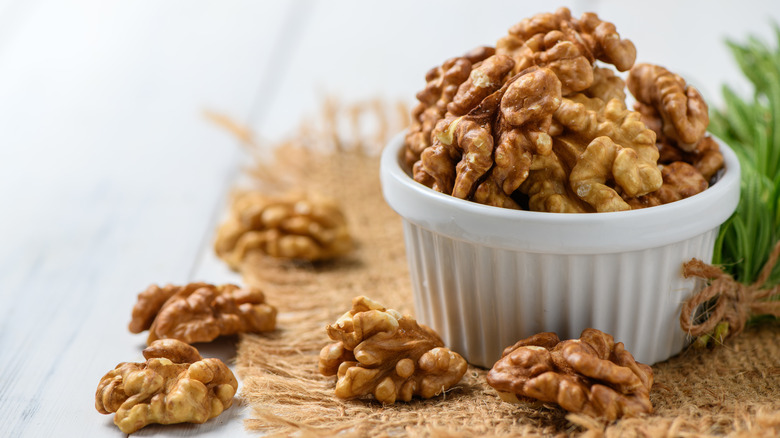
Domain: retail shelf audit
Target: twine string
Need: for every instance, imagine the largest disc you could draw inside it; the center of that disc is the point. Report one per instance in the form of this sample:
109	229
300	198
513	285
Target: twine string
734	302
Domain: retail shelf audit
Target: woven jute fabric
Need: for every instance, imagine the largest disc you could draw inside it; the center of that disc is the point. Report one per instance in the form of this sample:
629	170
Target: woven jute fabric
731	390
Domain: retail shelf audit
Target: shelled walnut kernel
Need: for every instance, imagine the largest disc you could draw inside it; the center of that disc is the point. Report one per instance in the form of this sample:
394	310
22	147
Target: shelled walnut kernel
305	227
378	351
596	155
201	312
591	375
174	385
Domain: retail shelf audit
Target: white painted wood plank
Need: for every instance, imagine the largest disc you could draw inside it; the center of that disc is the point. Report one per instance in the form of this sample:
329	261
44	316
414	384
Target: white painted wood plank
109	177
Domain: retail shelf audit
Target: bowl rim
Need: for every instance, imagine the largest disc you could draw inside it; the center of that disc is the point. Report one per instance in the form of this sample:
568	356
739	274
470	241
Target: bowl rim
573	233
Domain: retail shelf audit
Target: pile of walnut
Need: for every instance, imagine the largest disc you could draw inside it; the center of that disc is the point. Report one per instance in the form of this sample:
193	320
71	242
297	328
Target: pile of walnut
378	351
537	123
174	385
304	227
591	375
201	312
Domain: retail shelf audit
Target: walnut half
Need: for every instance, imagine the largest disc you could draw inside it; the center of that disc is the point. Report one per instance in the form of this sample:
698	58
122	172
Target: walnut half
303	227
381	352
174	385
201	312
591	375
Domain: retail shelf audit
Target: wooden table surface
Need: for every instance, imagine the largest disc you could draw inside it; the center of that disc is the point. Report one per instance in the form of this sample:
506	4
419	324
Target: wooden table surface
112	179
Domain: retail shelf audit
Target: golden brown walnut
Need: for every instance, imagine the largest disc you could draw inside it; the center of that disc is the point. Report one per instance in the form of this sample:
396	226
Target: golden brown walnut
591	375
585	118
540	23
681	180
174	385
705	155
381	352
604	160
567	46
441	86
479	54
606	142
681	107
484	79
173	349
554	50
483	130
652	119
524	120
149	304
461	153
296	226
606	85
548	190
605	43
201	312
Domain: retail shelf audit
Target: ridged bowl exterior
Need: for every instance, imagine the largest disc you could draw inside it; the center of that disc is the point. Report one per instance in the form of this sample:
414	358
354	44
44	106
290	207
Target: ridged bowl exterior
482	299
485	277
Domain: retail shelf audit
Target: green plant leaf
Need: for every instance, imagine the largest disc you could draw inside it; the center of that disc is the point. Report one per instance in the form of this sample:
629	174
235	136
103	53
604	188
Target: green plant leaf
751	126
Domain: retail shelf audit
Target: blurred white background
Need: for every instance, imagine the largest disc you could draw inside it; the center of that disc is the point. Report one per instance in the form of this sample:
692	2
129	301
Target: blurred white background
112	179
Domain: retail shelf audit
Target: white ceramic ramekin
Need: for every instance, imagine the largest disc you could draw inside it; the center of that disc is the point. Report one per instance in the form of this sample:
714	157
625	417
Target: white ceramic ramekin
485	277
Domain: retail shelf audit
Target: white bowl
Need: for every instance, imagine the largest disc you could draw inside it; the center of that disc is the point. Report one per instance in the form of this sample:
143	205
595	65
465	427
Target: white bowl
485	277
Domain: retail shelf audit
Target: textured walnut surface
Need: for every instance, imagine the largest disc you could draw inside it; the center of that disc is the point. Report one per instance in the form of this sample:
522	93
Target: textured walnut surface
541	123
703	151
174	385
296	226
201	312
591	375
378	351
681	107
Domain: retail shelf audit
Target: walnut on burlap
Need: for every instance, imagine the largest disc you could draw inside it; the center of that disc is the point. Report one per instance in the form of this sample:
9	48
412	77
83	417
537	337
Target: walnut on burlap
732	390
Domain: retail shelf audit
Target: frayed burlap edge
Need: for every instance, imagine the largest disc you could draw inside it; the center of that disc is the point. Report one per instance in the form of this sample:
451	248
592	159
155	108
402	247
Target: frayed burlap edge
733	390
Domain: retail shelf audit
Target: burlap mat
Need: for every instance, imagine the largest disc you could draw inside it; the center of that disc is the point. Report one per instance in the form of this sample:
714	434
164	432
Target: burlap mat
732	390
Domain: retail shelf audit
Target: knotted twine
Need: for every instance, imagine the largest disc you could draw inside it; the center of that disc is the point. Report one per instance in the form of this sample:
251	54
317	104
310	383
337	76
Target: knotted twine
735	302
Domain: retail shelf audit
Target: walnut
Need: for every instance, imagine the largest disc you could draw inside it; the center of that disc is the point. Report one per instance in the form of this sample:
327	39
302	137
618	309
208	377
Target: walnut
681	180
536	123
602	143
305	227
442	85
484	79
705	155
591	375
605	43
606	85
602	160
201	312
149	304
464	140
681	107
555	50
173	349
463	147
585	118
567	46
479	54
548	189
524	118
378	351
540	23
174	385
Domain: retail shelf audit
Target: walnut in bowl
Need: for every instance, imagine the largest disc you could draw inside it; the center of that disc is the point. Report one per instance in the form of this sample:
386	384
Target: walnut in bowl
643	191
